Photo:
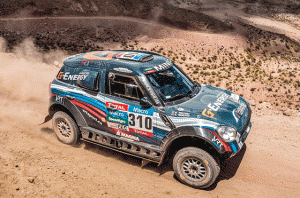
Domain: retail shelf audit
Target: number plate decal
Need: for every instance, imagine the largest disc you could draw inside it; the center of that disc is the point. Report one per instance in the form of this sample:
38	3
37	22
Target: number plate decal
140	121
132	119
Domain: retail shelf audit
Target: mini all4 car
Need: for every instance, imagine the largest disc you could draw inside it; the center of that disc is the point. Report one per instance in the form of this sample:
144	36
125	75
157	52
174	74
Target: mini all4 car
142	104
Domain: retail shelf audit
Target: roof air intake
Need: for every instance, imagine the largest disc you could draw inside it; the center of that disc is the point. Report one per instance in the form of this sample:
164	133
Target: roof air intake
135	56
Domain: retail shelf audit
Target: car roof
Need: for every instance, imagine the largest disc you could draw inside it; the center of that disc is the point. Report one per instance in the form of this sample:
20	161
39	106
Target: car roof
126	61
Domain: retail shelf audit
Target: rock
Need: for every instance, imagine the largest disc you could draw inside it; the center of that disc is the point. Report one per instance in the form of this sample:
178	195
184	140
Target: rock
264	105
288	113
252	102
31	180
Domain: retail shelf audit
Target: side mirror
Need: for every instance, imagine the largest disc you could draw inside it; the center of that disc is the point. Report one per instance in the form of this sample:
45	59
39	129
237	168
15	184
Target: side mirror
145	103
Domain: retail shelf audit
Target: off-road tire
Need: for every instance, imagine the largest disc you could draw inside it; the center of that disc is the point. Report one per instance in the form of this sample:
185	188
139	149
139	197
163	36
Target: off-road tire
66	130
195	167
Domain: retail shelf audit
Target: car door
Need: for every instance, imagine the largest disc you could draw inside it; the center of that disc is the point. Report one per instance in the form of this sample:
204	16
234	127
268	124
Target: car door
125	116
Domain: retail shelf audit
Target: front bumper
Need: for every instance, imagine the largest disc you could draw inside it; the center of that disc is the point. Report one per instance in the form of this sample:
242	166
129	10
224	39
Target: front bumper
239	142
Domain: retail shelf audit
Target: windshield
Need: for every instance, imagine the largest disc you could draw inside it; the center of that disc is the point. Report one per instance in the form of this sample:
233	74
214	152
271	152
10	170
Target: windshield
171	84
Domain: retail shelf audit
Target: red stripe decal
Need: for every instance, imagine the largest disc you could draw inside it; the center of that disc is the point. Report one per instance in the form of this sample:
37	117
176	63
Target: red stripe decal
92	107
89	110
237	114
226	146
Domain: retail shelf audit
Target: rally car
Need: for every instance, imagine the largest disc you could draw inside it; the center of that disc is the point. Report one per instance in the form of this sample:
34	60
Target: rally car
142	104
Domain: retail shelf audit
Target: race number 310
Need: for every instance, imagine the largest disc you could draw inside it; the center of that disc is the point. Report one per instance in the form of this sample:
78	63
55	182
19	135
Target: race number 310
139	121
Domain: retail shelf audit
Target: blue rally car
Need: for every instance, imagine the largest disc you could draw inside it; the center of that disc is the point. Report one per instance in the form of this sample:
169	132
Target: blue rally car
142	104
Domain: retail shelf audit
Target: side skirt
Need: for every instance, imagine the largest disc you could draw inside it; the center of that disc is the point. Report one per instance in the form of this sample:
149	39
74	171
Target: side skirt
110	141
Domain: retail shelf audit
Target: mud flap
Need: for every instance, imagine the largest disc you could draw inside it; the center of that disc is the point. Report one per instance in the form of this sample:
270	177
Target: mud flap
47	118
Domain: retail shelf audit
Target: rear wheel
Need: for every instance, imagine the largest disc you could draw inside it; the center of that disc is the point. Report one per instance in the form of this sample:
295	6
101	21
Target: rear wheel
195	167
65	128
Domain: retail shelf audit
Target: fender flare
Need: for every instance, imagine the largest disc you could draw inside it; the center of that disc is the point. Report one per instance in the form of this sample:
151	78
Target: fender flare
188	131
75	113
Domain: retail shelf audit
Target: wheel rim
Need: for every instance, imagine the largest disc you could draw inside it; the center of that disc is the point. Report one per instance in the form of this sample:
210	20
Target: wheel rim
193	169
63	128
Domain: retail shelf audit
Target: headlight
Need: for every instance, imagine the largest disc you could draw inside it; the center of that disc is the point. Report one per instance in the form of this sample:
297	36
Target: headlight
227	133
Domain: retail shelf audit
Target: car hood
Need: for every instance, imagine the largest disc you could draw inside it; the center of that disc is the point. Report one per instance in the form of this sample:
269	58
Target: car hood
215	104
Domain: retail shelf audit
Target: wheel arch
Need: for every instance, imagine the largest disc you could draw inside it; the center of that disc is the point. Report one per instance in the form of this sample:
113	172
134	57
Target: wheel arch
73	113
187	136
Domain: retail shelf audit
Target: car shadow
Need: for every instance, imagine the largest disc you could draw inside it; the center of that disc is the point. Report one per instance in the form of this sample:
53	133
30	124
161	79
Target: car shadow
229	168
47	130
126	158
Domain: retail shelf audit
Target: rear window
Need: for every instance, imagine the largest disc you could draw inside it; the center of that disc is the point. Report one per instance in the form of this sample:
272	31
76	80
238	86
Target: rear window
87	79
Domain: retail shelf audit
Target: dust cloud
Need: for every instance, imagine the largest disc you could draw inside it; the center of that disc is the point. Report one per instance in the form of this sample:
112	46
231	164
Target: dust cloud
27	72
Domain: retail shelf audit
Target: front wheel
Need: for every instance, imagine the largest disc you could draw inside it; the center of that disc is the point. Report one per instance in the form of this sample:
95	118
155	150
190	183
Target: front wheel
65	128
195	167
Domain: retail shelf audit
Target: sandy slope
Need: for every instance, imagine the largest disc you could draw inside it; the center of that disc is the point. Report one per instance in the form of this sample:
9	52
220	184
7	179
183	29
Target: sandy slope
268	165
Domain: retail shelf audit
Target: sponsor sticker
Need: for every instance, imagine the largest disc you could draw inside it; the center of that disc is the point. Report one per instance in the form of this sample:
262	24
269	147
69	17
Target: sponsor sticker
131	55
220	100
180	114
149	70
92	117
214	107
217	142
208	113
140	132
86	62
122	69
60	75
234	97
126	135
68	76
117	106
139	110
118	114
241	109
118	126
141	120
59	98
163	66
118	120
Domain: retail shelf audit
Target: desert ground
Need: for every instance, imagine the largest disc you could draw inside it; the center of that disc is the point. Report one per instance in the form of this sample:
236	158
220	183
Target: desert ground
256	57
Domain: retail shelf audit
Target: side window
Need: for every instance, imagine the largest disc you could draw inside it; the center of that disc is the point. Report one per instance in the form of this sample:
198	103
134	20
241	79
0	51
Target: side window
124	87
66	74
87	79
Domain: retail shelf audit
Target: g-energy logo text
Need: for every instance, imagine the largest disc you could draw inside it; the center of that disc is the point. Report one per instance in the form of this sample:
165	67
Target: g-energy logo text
215	106
67	76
